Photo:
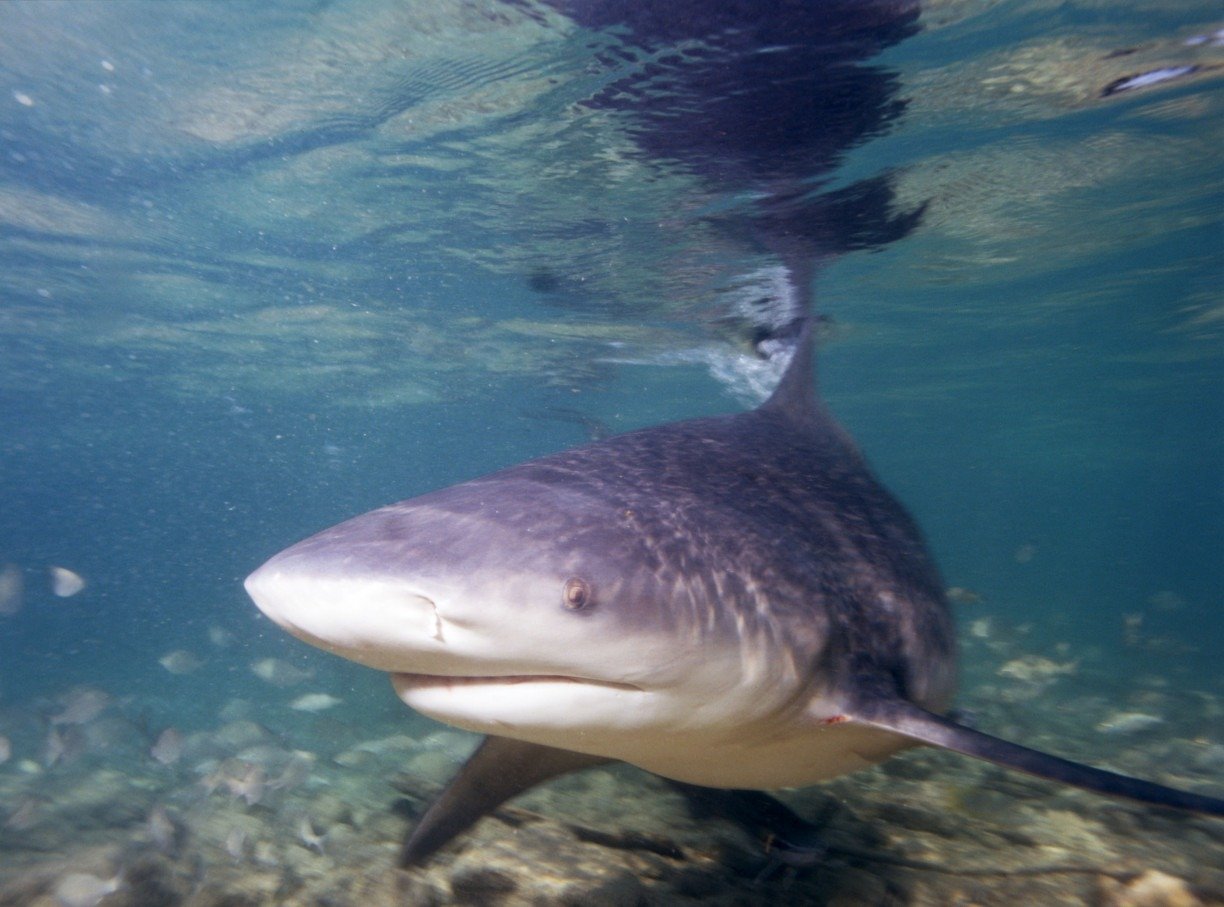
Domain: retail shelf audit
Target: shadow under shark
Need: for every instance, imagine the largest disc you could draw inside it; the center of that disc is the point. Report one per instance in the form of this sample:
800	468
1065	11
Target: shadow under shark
731	602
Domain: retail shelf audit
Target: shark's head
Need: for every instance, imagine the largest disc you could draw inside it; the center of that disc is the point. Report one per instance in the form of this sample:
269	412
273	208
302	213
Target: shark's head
519	608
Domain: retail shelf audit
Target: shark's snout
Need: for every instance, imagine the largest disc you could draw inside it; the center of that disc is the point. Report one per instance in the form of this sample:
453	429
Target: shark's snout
363	618
266	586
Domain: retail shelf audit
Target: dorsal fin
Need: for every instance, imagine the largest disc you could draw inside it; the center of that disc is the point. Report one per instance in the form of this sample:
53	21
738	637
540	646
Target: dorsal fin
795	395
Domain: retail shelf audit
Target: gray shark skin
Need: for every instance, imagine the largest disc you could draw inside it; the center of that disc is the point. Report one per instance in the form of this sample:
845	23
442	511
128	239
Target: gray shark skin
730	602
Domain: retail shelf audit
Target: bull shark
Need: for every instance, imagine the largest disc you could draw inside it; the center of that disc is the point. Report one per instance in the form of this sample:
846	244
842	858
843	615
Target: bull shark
729	602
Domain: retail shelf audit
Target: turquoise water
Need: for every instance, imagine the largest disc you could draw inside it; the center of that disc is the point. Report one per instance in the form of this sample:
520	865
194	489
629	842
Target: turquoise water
267	266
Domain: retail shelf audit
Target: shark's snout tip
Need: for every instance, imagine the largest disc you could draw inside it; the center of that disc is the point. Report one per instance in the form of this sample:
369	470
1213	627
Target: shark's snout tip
261	585
251	583
254	582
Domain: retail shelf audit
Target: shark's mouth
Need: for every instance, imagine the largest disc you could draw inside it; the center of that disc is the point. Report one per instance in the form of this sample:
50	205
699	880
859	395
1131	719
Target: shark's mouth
423	681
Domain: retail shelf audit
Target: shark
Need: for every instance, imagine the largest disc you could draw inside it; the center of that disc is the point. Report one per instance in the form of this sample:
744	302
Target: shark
732	602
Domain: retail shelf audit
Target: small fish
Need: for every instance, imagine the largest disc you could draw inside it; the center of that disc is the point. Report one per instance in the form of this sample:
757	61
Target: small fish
169	747
212	776
1129	723
83	889
220	637
249	786
1214	39
1132	629
6	749
54	748
395	744
961	596
280	673
308	836
1025	554
1167	600
236	844
163	830
314	702
295	772
65	583
1036	668
82	705
1147	79
26	815
180	661
12	590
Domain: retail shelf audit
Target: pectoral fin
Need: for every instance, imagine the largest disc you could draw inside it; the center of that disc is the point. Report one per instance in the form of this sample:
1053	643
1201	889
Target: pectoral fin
498	770
918	724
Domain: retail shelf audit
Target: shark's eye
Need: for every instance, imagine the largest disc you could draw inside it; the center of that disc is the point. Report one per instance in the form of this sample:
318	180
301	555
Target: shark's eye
577	593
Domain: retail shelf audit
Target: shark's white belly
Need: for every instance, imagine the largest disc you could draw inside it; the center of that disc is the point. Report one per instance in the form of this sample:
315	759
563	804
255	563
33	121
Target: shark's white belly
753	757
797	760
762	748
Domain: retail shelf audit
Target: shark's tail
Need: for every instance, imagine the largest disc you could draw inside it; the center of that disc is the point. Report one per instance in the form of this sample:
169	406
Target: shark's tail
925	727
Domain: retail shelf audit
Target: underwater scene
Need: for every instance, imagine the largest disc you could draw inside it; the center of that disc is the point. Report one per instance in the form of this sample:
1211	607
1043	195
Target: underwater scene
268	266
